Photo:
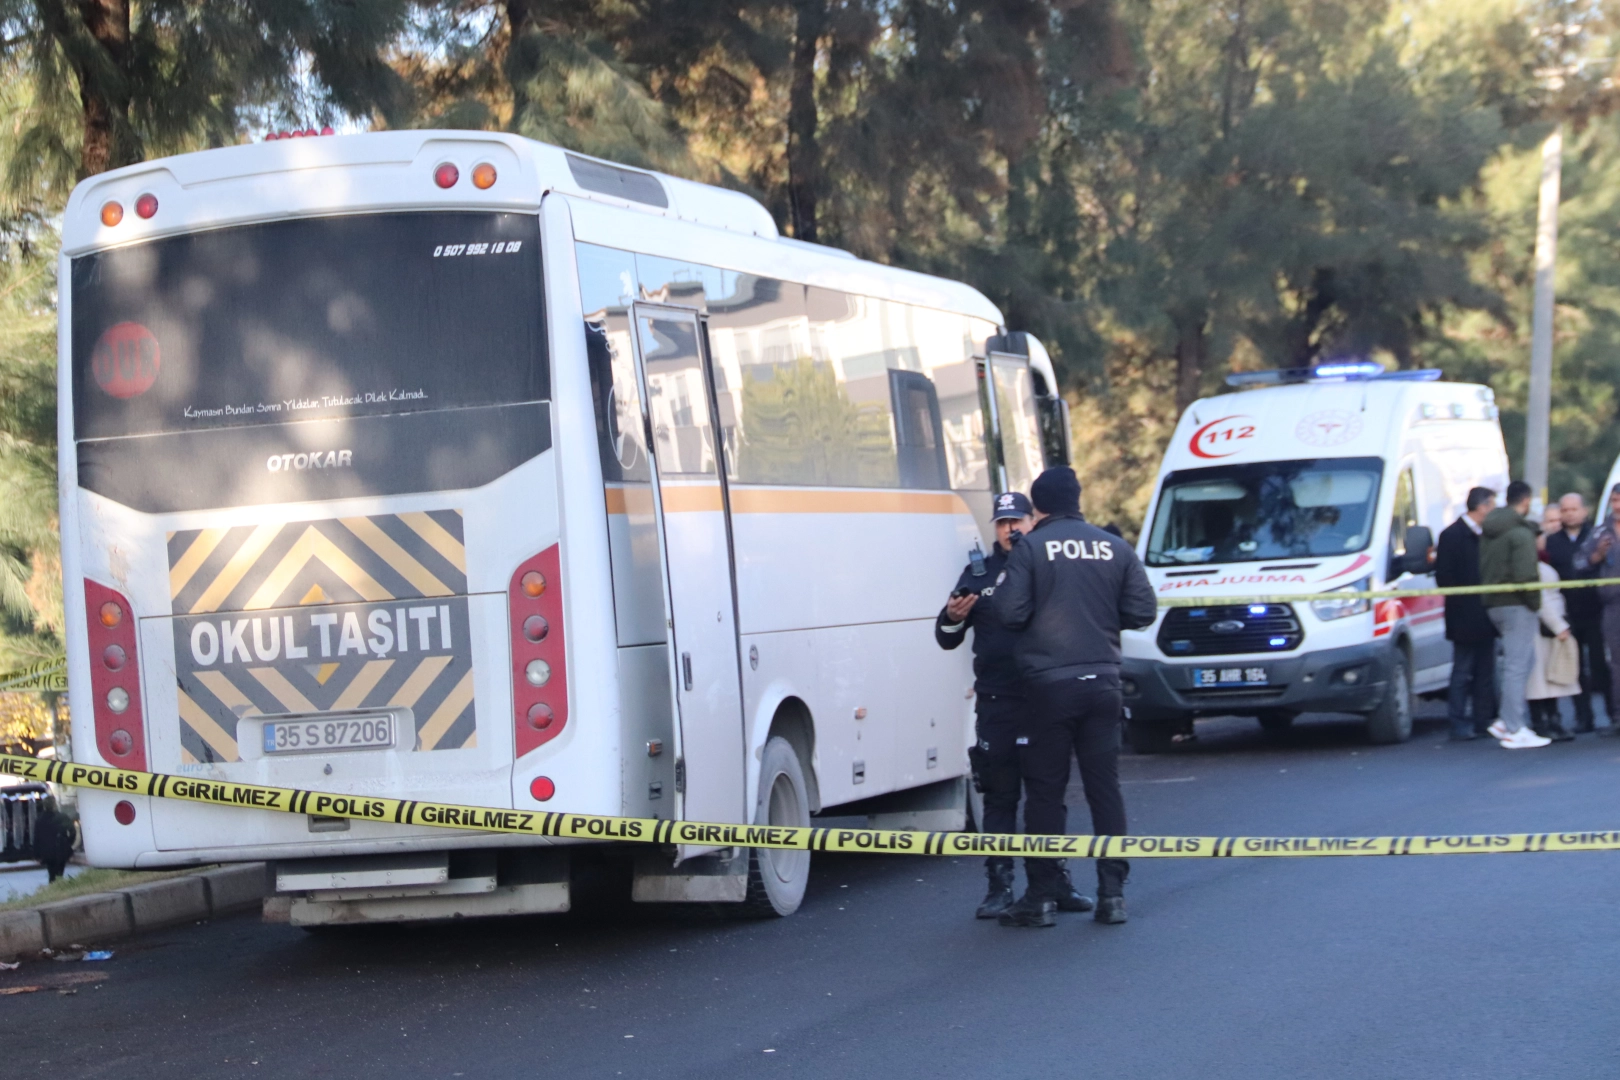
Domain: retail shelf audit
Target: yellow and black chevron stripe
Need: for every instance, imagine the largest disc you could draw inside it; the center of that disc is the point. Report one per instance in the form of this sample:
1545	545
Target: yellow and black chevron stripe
267	589
282	564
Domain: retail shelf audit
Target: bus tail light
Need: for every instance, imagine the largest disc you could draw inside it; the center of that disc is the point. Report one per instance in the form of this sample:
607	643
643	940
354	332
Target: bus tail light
539	678
115	678
446	175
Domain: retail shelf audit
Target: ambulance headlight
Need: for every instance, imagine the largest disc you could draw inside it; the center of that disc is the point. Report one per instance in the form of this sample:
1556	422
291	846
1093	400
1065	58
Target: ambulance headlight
1328	610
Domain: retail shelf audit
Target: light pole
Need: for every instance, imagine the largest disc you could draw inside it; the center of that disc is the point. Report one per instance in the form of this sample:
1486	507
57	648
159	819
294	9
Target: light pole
1538	409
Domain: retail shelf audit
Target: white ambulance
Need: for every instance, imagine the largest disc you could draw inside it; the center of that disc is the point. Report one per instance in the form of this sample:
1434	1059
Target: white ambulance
1311	480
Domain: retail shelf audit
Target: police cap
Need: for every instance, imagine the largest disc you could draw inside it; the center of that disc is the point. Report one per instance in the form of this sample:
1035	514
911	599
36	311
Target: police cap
1011	504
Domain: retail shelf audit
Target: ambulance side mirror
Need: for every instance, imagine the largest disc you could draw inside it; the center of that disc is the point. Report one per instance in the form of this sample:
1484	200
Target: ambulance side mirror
1419	541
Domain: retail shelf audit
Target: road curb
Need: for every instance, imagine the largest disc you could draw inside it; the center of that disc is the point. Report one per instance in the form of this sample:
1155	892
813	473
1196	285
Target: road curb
21	932
152	905
96	917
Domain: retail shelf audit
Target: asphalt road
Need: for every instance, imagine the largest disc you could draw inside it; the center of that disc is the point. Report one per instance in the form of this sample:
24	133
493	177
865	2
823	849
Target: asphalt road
1474	966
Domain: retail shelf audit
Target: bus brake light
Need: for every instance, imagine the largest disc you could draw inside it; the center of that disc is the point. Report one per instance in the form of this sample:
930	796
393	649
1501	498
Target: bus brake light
115	678
446	175
539	679
146	205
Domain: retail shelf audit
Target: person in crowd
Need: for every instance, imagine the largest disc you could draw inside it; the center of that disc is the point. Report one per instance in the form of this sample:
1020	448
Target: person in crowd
1507	556
1601	554
1584	609
998	698
1472	637
1556	672
1070	588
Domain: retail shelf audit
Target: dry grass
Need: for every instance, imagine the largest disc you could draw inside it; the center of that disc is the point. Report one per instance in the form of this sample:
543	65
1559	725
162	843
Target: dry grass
93	880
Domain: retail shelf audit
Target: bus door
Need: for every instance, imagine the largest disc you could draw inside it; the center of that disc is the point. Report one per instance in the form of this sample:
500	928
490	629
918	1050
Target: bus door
693	515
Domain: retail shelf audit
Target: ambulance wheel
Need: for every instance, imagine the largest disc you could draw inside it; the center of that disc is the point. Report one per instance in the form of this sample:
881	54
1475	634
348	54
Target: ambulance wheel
777	879
1149	736
1275	722
1391	722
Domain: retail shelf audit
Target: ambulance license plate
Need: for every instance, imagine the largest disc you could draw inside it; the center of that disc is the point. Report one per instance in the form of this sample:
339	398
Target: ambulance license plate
322	736
1230	676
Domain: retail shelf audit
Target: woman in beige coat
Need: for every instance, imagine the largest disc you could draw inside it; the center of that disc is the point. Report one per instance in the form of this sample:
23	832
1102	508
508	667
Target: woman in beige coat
1557	669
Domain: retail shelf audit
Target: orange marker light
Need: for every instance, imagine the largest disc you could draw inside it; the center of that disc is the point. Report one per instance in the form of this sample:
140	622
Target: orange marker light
111	614
534	583
111	213
484	176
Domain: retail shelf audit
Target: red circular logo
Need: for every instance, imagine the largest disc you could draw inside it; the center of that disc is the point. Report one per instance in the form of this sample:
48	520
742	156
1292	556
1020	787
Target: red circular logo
126	360
1223	437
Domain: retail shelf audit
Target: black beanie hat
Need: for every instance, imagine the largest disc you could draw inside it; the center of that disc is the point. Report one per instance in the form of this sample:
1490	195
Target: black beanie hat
1056	491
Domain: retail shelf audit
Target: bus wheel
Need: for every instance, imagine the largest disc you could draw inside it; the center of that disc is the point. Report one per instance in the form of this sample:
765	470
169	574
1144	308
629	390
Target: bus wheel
1148	736
776	878
1391	722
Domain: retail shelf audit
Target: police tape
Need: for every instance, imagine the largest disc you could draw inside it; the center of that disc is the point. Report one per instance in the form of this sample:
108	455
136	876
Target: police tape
1379	594
553	824
43	675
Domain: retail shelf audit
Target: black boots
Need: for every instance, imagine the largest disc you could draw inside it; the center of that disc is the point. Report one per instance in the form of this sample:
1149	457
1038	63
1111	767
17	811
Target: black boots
1110	910
1030	911
1069	898
1000	896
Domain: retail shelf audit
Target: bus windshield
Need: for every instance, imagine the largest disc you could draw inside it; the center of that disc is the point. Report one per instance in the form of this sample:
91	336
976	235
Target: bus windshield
1265	510
307	319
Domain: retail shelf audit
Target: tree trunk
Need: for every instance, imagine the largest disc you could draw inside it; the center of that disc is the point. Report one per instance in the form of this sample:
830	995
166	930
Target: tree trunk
104	94
803	154
1191	344
519	64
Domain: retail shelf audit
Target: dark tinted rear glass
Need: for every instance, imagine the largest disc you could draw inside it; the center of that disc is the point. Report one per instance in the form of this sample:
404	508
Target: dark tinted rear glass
318	317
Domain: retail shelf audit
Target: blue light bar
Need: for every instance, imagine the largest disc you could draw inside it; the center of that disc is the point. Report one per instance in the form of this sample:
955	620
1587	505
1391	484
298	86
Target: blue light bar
1349	369
1257	609
1278	642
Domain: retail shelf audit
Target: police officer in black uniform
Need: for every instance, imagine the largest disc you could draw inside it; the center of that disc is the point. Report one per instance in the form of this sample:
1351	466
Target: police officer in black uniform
999	700
1070	588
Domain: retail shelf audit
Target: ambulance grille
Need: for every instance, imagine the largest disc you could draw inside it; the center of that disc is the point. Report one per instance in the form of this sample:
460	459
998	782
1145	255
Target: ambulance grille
1230	629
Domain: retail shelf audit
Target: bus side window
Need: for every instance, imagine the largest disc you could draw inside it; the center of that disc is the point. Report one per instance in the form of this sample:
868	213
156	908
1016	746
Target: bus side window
918	431
1402	517
606	285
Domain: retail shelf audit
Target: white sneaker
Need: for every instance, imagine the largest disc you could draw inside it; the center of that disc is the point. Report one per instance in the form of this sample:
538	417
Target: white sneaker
1498	730
1524	739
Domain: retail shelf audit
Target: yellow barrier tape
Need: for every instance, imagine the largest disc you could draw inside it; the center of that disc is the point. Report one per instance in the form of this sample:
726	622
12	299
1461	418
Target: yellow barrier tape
556	824
1381	594
44	675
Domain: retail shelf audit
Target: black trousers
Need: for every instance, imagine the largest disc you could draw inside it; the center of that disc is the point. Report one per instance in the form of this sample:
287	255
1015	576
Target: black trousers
1078	716
1473	678
995	766
1595	676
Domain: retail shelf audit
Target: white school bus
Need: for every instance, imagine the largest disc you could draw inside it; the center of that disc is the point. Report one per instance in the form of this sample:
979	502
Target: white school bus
459	467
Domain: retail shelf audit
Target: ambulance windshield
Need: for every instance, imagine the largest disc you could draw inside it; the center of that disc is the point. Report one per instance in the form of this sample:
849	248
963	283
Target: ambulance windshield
1265	510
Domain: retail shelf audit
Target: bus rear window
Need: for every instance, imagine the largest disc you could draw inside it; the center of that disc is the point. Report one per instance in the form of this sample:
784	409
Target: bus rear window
306	319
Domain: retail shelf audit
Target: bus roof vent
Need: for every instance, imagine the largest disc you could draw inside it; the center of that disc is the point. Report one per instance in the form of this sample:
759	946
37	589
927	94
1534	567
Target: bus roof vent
618	182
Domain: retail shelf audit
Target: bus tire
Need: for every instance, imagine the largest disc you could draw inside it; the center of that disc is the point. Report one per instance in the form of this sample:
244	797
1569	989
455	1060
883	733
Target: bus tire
1391	721
776	878
1149	736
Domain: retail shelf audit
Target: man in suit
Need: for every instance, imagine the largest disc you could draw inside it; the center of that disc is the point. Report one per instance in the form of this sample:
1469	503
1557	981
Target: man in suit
1472	637
1582	607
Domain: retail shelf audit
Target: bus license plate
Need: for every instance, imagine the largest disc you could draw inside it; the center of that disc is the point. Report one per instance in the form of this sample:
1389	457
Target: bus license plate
320	736
1230	676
